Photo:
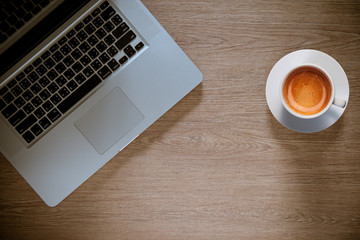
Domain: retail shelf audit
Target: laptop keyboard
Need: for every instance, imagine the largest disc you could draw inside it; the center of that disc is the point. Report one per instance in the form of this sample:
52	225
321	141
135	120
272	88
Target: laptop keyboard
66	72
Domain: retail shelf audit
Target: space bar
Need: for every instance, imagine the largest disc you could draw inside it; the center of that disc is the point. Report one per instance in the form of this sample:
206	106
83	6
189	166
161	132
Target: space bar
79	93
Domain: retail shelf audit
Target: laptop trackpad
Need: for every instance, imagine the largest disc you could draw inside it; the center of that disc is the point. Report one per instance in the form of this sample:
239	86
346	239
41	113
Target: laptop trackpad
109	120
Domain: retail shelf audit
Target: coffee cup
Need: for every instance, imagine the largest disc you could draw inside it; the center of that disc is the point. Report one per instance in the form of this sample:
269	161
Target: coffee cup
307	91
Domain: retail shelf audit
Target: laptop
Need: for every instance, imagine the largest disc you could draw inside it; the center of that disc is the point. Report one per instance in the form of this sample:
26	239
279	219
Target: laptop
80	79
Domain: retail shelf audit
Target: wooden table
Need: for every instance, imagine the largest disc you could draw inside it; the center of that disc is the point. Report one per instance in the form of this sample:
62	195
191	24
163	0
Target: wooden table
218	165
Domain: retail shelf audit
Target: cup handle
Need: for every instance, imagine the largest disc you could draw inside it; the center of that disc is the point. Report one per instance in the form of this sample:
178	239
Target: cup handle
339	102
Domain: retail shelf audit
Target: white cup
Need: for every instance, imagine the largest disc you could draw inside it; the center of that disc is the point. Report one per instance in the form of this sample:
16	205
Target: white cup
317	69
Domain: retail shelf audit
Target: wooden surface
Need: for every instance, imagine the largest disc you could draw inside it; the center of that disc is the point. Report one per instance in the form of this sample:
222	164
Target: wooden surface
218	165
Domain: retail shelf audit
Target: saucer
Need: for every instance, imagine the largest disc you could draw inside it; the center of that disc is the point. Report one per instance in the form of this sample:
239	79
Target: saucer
283	66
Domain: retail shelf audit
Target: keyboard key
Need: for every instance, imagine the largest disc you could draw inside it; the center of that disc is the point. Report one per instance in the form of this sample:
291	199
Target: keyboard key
104	72
27	95
60	68
112	51
19	102
85	60
87	19
116	19
84	47
36	88
81	35
93	53
88	71
113	64
109	39
100	33
55	99
74	42
28	108
36	101
125	40
37	62
27	123
104	5
53	87
77	67
92	40
96	65
61	81
20	76
139	46
3	90
9	110
27	17
17	117
76	54
72	85
16	91
52	74
69	74
39	113
49	63
129	51
101	46
80	78
25	84
11	84
28	136
123	60
79	93
36	130
121	30
64	92
65	49
44	81
71	33
98	22
79	26
47	106
62	41
33	76
54	115
44	94
44	123
8	97
89	29
36	10
96	12
45	55
54	48
104	58
109	26
108	13
57	56
68	61
28	69
41	70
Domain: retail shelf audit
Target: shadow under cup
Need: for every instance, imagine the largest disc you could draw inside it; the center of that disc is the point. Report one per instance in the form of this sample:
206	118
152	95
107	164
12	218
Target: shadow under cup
307	92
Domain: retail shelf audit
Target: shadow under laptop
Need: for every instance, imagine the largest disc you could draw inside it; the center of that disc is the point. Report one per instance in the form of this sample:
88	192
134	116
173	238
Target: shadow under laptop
121	167
319	187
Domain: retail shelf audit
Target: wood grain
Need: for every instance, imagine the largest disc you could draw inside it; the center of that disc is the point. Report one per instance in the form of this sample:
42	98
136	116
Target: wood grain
218	165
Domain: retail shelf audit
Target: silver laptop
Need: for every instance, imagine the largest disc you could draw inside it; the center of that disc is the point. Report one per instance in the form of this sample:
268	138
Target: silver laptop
79	81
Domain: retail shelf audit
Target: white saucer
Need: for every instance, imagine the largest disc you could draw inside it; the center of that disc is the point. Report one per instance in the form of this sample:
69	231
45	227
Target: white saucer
283	66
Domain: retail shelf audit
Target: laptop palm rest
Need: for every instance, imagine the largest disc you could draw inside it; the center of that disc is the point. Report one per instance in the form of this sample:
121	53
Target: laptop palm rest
109	120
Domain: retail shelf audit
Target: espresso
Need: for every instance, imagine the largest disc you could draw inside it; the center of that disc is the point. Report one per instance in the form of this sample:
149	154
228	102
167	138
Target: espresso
307	90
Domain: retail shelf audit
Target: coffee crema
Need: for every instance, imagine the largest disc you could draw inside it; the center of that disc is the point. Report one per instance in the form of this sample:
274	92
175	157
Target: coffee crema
307	90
